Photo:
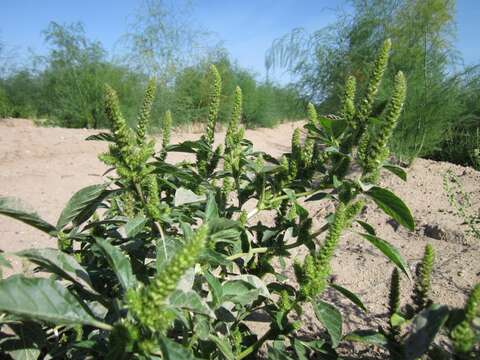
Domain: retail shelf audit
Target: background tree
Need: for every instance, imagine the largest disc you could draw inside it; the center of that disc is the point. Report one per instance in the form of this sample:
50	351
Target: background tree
422	31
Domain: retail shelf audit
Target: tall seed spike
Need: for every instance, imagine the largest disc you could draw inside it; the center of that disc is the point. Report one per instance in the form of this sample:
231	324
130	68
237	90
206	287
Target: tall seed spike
378	143
143	119
424	277
348	103
312	114
166	280
339	223
463	335
375	79
394	295
234	120
214	103
166	133
114	114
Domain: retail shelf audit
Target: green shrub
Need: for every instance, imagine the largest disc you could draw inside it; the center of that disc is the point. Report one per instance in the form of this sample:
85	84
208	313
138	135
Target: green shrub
169	260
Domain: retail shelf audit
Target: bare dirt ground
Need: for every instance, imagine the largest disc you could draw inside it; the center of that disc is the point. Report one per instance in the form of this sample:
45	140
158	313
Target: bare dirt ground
45	166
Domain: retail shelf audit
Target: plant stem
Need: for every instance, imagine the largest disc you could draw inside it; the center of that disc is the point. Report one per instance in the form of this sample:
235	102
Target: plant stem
257	345
252	251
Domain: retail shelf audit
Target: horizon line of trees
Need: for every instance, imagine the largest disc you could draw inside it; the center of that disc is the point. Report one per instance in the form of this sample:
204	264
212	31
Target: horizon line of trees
65	87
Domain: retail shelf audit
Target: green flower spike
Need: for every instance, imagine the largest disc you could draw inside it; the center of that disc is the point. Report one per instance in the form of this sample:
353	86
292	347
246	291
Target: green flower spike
464	335
166	134
148	304
424	273
375	79
143	119
348	103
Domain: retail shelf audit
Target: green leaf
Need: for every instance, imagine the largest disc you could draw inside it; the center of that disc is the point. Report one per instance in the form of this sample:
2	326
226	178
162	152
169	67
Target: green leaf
331	318
425	327
367	227
4	263
397	170
239	292
46	300
17	209
350	296
119	262
211	211
392	206
215	288
389	251
318	196
224	346
172	350
256	283
133	227
185	196
189	146
368	337
103	136
60	263
81	205
190	300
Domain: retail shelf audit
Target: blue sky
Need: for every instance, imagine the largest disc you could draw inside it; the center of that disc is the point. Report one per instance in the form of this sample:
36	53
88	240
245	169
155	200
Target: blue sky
246	27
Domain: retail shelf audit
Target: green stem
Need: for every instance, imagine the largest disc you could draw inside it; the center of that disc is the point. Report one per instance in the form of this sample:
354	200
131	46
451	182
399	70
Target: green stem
252	251
252	348
102	325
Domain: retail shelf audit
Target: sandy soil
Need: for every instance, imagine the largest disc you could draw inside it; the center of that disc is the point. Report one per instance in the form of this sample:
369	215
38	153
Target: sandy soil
47	165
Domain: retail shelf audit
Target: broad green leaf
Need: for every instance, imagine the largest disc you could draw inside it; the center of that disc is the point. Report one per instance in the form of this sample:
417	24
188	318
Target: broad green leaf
318	196
119	262
368	337
224	346
46	300
239	292
331	318
214	258
185	196
165	250
350	296
103	136
392	206
81	205
133	227
189	146
397	170
367	227
221	229
211	211
215	288
60	263
389	251
256	283
190	300
425	327
4	263
172	350
17	209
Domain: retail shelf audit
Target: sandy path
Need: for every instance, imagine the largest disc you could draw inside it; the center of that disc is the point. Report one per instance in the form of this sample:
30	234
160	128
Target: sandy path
45	166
